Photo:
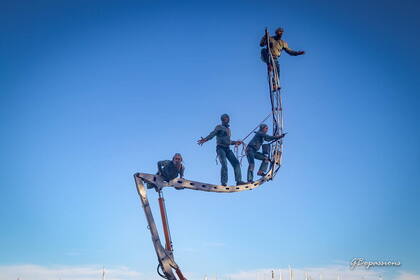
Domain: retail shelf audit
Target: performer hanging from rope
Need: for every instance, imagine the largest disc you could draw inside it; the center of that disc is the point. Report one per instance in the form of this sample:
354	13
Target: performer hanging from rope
276	47
170	169
222	133
252	151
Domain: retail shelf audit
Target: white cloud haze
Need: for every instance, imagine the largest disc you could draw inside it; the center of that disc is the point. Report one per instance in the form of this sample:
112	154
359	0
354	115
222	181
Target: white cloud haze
37	272
341	272
94	272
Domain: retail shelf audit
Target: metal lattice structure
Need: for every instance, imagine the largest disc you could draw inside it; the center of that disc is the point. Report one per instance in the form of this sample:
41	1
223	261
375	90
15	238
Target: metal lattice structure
167	267
276	110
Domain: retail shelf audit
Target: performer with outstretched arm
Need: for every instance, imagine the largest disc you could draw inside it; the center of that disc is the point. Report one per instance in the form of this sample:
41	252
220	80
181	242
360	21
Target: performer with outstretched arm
277	45
252	151
222	133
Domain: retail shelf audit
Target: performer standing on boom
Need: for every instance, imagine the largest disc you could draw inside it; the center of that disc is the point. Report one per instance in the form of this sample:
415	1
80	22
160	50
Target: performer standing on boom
222	133
276	47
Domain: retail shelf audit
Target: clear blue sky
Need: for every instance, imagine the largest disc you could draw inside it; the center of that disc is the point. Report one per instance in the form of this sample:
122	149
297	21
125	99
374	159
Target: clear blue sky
94	91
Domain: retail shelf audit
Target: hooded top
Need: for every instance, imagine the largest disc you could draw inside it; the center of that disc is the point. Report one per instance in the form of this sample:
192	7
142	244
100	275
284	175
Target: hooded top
258	140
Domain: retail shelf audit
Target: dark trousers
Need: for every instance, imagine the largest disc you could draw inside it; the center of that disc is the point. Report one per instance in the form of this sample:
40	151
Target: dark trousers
166	177
225	153
251	155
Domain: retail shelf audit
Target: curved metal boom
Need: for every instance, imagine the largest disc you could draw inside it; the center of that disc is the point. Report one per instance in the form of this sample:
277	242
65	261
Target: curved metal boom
165	254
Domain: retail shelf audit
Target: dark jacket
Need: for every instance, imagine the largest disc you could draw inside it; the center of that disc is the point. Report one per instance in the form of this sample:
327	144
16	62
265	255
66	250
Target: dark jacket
169	171
259	139
222	134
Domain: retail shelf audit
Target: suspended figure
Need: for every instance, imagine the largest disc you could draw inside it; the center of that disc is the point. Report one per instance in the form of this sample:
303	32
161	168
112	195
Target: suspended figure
170	169
223	133
276	47
252	151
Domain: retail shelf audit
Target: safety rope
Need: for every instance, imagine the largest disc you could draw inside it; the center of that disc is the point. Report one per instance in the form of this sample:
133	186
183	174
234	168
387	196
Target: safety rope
276	110
256	126
236	148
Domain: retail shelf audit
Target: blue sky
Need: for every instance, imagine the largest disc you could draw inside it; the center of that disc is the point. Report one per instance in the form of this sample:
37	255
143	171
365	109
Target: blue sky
93	92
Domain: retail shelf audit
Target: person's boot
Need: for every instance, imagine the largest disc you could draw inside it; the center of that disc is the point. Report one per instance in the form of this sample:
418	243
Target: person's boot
260	173
250	180
240	183
276	87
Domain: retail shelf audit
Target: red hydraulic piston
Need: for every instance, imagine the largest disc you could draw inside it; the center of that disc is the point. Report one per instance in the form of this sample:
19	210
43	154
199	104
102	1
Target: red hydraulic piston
180	275
168	242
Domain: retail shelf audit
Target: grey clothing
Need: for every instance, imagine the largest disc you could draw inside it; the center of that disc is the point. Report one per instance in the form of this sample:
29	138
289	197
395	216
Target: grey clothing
259	139
277	45
252	154
168	170
222	133
223	153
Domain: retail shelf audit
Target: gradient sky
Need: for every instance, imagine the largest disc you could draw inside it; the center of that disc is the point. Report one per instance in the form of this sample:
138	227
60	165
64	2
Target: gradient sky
94	91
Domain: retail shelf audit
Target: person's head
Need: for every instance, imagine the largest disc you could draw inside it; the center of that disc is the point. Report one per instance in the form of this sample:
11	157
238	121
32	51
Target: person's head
263	127
177	159
279	32
225	118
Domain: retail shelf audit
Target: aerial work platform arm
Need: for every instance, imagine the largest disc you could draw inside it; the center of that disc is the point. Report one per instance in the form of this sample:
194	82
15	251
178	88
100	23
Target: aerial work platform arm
165	256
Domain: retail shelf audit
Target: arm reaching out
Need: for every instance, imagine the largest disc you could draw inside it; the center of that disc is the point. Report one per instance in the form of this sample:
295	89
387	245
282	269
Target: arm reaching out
281	136
208	137
290	51
270	138
236	143
201	141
